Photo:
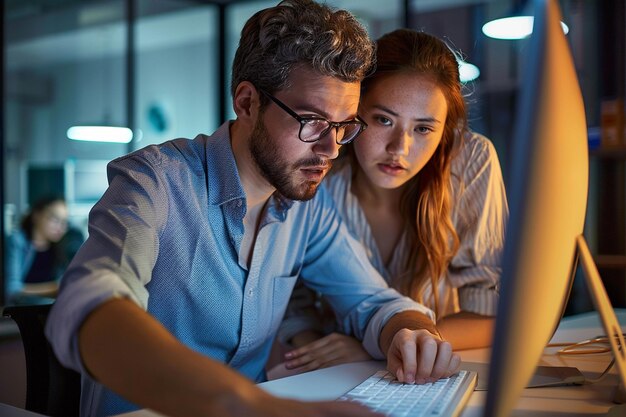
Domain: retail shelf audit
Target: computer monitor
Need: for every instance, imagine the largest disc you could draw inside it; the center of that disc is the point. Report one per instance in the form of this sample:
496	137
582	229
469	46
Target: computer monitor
548	199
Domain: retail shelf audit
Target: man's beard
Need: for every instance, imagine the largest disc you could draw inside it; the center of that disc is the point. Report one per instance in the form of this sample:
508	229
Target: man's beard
277	171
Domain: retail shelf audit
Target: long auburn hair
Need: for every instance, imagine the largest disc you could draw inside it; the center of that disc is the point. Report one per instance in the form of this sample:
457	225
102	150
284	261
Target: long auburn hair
425	203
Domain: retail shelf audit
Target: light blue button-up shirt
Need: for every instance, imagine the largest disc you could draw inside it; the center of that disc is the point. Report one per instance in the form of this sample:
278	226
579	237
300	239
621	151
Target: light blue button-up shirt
167	234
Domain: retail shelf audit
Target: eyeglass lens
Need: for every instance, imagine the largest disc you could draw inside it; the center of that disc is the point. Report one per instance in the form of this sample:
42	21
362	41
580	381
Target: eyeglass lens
314	129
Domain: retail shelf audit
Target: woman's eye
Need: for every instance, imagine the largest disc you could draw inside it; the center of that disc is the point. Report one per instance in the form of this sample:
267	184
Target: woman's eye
383	120
424	130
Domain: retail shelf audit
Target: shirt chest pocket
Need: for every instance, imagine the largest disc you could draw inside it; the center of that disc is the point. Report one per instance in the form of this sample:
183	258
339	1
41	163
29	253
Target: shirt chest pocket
282	289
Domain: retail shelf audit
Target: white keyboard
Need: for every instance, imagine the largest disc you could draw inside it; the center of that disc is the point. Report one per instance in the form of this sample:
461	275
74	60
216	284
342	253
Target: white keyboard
443	398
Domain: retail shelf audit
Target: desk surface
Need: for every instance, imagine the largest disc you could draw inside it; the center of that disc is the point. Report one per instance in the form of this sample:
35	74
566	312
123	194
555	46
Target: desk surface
586	400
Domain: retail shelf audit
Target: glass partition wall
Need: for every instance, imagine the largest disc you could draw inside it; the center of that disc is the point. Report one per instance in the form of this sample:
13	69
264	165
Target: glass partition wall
162	69
143	65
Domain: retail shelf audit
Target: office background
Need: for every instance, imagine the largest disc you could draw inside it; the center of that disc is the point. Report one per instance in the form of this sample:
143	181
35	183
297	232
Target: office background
162	69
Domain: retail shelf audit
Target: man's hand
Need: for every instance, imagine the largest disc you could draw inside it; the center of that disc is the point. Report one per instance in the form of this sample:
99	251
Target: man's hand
417	356
330	350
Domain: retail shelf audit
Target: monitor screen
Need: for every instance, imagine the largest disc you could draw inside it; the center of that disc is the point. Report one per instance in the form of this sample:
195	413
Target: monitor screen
548	200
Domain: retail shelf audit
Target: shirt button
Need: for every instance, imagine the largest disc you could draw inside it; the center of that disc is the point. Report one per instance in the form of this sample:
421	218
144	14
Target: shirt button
239	203
250	292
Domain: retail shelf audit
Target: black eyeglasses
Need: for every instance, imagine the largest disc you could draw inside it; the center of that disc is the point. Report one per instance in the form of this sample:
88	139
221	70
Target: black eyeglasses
314	128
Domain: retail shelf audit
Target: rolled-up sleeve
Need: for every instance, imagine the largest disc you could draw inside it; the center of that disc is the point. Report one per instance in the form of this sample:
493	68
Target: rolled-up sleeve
117	258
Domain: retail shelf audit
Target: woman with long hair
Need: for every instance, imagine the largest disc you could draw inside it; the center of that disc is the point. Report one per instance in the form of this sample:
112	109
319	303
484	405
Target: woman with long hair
35	257
425	197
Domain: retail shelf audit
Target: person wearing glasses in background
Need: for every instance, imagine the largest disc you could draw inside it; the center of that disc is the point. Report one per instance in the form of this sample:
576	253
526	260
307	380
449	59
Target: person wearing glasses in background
174	300
425	197
35	256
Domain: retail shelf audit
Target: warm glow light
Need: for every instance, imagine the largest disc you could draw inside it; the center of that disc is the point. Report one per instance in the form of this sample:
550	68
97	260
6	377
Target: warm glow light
467	71
100	134
517	27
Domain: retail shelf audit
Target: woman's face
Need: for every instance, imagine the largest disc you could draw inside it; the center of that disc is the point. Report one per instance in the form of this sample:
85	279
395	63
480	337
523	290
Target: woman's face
406	114
51	223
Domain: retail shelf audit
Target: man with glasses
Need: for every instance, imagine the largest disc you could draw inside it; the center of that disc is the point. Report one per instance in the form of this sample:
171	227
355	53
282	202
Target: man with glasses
195	247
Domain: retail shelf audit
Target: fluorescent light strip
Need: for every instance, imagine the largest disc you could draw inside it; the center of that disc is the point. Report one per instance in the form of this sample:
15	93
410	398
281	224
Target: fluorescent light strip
109	134
516	27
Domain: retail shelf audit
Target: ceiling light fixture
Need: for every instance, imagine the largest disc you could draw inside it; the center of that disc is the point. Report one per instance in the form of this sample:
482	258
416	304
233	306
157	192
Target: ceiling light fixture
103	130
513	27
111	134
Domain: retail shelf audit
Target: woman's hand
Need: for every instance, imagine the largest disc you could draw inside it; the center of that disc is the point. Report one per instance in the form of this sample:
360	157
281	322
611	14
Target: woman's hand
330	350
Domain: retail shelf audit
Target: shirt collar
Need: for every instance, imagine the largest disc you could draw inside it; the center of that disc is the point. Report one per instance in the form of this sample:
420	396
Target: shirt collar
224	182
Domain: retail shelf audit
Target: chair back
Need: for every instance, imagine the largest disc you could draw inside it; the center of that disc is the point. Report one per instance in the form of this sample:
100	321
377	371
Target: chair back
51	389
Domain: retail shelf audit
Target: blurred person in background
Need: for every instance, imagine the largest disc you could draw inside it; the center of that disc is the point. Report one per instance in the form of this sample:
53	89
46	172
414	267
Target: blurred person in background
36	255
